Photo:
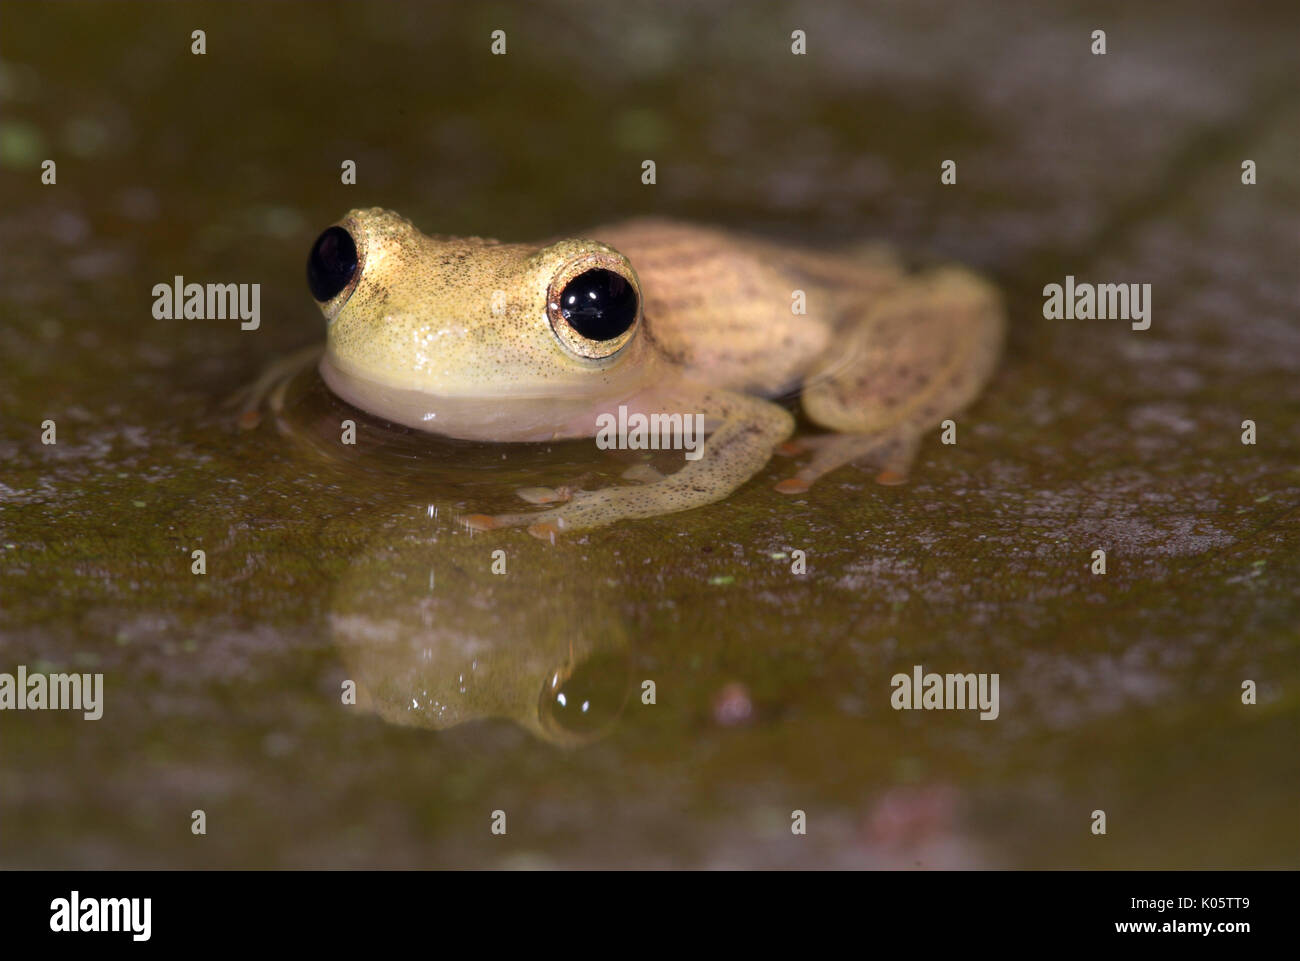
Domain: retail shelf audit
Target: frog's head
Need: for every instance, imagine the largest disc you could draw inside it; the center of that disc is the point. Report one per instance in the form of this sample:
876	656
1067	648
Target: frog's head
470	337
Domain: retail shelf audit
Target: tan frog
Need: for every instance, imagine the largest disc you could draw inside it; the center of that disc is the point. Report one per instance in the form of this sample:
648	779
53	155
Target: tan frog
489	341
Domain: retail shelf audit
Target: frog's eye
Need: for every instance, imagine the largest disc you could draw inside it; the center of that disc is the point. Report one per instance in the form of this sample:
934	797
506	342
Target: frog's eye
332	264
599	304
593	311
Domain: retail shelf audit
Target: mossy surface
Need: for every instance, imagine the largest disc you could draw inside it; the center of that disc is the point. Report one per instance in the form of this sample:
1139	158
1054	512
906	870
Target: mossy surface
1119	692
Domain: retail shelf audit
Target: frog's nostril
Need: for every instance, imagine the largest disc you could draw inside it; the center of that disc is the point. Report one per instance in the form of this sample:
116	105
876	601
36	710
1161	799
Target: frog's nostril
332	263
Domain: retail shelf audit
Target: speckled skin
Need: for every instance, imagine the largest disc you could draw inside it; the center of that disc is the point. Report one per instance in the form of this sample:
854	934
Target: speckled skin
452	335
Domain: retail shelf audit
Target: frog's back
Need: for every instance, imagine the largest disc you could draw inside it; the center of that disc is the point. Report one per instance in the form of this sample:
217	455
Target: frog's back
723	305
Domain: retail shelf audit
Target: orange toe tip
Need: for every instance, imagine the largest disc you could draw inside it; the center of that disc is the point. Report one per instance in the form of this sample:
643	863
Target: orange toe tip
481	522
544	531
792	485
249	419
536	495
890	478
789	449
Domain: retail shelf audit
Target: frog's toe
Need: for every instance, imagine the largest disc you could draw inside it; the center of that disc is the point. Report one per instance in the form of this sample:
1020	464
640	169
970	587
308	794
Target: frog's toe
790	448
495	522
643	474
249	419
891	478
545	495
583	510
545	531
236	399
481	522
793	485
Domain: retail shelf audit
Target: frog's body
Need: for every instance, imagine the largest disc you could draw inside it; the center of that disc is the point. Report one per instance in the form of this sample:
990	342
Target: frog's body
472	338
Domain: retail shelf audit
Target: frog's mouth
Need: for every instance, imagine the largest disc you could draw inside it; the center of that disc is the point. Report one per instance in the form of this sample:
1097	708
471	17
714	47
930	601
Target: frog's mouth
491	418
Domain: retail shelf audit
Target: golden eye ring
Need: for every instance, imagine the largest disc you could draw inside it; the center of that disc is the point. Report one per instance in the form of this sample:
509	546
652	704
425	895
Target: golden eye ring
594	305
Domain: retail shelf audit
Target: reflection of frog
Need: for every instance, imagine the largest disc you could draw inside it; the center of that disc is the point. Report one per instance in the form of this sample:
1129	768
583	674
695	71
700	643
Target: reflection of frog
532	342
436	645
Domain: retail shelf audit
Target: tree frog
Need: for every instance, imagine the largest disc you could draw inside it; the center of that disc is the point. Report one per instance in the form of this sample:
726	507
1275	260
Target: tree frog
510	342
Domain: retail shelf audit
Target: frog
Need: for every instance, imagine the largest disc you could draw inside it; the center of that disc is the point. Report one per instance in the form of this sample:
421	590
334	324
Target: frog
503	342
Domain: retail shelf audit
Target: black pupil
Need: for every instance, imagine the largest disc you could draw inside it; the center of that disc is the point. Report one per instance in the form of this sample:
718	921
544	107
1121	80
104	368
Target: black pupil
332	263
599	304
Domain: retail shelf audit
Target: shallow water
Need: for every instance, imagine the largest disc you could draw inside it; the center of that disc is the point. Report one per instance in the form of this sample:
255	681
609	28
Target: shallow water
1119	692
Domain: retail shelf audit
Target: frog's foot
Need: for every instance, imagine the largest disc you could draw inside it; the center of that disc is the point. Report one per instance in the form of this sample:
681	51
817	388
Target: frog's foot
270	386
545	495
583	509
543	525
893	452
479	522
640	473
643	474
561	492
246	400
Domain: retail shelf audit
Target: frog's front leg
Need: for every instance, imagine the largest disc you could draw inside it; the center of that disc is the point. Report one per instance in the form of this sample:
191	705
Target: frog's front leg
271	383
748	430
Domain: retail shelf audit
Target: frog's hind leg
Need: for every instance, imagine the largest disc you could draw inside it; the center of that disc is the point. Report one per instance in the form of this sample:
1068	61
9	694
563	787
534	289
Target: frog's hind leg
270	386
917	356
891	451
